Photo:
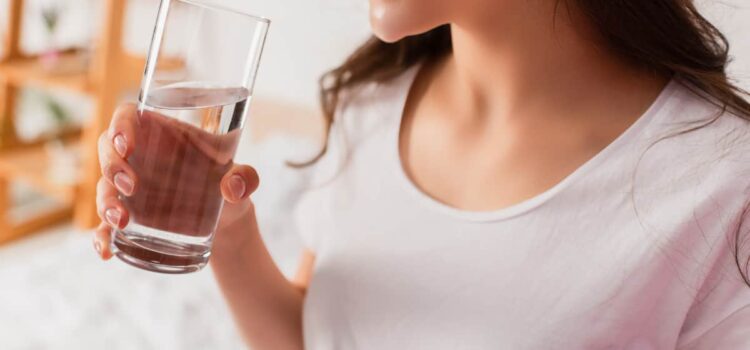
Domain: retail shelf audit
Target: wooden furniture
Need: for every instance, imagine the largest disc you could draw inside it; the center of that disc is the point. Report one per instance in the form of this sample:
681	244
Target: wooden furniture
111	72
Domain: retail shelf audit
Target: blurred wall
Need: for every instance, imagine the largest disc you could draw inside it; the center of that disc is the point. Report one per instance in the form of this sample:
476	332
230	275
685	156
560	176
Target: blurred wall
733	18
306	38
309	36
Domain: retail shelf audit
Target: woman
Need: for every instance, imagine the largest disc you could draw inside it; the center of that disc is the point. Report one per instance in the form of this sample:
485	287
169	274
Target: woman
515	174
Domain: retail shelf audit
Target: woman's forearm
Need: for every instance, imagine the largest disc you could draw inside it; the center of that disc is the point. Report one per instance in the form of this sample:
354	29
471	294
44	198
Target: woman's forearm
266	306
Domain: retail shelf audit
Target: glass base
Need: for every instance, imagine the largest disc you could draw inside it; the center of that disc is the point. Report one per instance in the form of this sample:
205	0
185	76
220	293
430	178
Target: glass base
159	255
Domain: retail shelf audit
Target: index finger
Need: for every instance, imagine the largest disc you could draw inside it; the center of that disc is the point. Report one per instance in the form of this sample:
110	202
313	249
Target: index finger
122	129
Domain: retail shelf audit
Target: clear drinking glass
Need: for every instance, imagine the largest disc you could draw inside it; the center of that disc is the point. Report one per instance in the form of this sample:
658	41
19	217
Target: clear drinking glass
194	99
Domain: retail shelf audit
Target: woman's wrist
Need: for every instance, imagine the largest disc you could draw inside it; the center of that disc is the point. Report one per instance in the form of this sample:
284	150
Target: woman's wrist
232	247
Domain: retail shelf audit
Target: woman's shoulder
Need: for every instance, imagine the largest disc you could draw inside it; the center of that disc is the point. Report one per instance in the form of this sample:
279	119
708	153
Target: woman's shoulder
687	108
689	116
370	104
364	113
698	135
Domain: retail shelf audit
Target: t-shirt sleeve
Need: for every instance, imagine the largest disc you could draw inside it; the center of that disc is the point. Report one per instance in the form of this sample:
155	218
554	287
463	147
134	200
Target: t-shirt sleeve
720	317
359	115
731	333
303	218
312	210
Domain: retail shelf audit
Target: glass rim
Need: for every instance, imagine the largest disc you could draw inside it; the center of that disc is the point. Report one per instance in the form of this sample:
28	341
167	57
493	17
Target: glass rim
203	4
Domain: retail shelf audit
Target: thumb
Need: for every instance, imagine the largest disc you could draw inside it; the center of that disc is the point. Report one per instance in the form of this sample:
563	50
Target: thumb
239	183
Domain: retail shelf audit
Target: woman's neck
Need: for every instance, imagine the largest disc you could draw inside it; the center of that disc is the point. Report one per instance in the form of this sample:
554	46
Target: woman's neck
531	61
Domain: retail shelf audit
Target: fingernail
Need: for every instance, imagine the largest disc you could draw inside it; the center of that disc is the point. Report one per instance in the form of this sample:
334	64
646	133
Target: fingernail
121	145
98	247
124	183
237	186
113	217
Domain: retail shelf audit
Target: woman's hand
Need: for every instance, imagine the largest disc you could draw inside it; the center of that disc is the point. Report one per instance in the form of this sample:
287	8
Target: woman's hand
266	306
120	179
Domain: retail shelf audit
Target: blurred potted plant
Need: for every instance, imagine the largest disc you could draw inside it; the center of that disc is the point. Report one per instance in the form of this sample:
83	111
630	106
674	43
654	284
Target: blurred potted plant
51	18
64	160
51	58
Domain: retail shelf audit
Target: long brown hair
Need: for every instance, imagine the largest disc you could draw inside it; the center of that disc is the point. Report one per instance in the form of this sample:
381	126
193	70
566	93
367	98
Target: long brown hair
668	37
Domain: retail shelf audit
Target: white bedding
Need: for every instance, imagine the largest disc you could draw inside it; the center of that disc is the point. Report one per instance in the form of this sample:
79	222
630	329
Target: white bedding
55	293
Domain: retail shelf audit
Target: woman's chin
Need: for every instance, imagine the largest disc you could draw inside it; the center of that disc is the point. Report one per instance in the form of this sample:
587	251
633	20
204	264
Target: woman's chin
384	31
392	30
387	36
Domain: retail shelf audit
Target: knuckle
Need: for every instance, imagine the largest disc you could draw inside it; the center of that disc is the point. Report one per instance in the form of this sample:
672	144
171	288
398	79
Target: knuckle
113	166
103	165
102	233
108	170
100	209
247	171
123	113
103	141
102	197
99	195
101	187
251	173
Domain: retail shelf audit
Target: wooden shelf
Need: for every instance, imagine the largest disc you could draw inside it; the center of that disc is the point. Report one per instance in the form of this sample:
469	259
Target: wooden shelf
269	117
32	165
29	71
111	72
44	219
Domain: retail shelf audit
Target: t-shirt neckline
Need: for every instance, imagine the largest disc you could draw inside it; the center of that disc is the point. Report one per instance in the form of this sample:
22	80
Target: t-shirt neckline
403	87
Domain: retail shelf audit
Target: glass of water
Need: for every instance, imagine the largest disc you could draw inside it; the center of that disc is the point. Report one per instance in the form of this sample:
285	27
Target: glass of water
194	99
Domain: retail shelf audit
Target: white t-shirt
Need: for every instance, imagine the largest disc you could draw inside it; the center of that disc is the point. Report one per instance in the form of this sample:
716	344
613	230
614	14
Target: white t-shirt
631	251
